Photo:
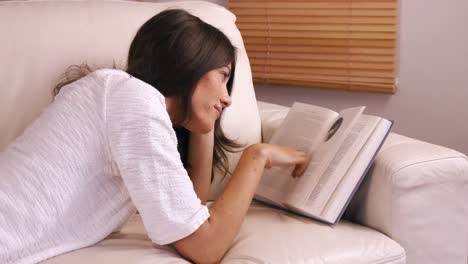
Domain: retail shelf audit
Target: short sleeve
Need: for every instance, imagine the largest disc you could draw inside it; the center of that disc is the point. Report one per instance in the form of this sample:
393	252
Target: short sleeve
143	144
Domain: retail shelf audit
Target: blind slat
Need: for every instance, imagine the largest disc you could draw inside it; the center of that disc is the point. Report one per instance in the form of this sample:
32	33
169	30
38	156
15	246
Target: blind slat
325	64
299	27
320	34
320	57
271	41
314	1
318	20
315	5
324	71
316	12
320	49
378	88
325	78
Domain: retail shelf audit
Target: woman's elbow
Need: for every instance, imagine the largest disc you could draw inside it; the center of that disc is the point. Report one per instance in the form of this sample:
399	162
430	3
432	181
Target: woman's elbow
202	258
201	247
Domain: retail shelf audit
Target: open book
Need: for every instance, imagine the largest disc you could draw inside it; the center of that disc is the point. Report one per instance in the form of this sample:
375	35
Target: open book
341	147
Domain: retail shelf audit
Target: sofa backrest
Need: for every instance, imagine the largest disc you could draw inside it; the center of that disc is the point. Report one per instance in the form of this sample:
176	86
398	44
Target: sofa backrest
40	39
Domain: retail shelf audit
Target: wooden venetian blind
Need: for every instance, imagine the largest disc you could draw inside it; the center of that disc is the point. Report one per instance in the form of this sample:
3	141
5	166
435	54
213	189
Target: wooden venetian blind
341	44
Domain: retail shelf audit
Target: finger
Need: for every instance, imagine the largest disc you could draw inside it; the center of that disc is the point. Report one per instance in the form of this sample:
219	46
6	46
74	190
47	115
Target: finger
297	167
301	167
295	172
300	152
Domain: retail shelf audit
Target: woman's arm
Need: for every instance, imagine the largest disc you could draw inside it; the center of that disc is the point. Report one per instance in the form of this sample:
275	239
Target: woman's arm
200	157
214	237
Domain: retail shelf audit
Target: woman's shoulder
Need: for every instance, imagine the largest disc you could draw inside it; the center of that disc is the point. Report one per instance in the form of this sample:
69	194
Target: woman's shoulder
106	74
122	88
101	77
116	80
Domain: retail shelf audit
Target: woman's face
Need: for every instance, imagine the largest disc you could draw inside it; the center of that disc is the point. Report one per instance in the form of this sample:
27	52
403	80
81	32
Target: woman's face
209	99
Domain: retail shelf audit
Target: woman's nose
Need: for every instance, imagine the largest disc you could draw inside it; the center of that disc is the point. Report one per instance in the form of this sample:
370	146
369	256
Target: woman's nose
226	101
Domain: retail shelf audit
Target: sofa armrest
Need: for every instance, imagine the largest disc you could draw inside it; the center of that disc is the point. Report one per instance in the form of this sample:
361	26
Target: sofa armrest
415	192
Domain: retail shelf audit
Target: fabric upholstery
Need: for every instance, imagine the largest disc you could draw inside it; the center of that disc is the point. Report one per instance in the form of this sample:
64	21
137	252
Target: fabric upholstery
267	236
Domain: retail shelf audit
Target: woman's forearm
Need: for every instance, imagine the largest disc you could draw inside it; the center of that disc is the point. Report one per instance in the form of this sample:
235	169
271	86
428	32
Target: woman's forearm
201	159
213	238
227	212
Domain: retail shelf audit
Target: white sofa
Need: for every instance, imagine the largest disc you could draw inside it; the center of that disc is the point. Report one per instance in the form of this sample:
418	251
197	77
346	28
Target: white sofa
410	209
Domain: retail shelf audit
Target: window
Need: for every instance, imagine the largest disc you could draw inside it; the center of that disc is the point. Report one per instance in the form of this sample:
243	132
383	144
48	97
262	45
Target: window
336	44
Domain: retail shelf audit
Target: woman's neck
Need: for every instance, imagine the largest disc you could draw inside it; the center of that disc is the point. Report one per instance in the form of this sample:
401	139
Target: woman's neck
174	109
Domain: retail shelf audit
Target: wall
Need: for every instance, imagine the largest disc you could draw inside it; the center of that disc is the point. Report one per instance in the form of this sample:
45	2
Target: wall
431	103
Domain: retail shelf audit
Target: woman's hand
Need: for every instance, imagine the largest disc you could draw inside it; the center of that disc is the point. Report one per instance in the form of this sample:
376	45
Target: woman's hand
201	158
282	156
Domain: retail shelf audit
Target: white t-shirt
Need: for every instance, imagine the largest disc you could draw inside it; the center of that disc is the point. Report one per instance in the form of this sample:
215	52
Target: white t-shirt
103	148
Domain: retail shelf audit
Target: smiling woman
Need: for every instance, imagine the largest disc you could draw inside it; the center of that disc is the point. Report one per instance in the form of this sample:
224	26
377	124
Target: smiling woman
208	100
184	49
116	141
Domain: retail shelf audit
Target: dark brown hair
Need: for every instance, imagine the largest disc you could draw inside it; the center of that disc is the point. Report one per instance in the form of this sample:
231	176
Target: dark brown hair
172	51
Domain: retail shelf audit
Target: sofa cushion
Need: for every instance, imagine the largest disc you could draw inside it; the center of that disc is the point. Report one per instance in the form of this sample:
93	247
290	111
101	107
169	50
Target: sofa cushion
267	236
271	116
40	39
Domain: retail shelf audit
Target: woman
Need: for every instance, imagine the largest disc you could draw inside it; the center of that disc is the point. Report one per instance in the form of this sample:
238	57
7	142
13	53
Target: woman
107	146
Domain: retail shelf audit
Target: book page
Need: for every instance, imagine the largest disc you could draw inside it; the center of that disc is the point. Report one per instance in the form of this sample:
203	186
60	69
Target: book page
326	156
341	161
350	182
302	129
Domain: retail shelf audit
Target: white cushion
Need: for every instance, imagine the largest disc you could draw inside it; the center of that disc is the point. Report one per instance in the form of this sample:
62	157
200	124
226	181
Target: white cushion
271	117
131	245
266	236
41	38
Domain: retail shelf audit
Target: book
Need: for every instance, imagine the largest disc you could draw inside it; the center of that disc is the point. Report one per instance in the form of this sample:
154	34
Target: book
341	148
